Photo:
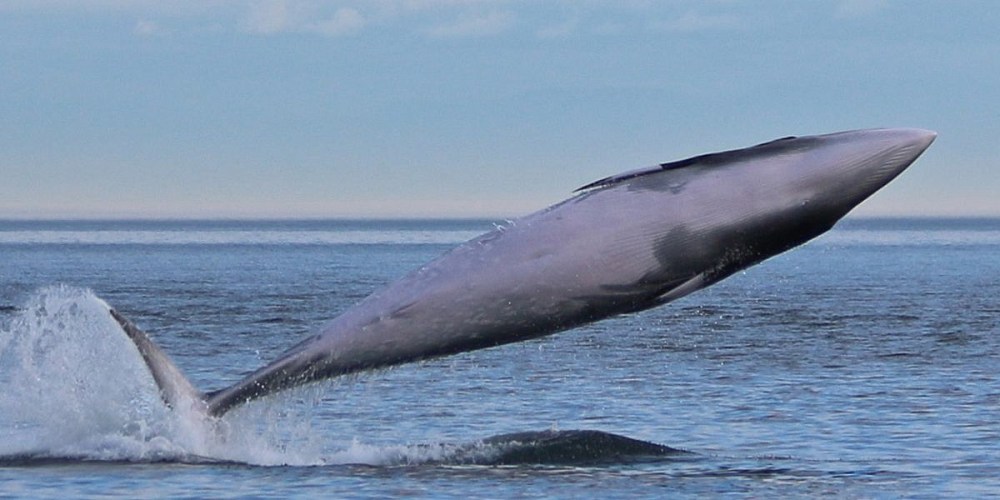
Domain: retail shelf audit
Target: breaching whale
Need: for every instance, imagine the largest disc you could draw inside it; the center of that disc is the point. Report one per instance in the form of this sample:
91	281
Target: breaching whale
622	244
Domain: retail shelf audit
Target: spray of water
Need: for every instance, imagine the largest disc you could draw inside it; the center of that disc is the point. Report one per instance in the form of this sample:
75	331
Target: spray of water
74	387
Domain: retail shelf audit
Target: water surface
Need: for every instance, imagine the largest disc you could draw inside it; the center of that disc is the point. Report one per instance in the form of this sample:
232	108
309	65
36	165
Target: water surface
863	364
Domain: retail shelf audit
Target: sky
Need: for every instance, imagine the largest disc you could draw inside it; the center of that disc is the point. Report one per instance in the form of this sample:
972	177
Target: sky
468	108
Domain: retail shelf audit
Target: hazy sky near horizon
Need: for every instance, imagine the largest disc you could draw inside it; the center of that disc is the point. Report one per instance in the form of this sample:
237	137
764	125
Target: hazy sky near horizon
315	108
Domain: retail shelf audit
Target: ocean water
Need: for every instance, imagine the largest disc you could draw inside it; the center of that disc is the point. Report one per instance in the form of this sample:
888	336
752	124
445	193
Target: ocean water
864	364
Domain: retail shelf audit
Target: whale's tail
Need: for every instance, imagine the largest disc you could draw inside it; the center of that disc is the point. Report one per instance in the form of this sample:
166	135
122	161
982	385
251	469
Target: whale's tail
175	389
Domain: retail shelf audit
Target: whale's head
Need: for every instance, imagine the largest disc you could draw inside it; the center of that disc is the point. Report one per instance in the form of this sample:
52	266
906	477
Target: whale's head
836	172
788	191
718	213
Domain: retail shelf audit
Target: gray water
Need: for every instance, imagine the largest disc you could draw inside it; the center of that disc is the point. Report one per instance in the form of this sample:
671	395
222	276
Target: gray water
864	364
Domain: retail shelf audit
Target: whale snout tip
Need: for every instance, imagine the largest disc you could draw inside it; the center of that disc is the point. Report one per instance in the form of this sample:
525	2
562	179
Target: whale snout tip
919	137
924	135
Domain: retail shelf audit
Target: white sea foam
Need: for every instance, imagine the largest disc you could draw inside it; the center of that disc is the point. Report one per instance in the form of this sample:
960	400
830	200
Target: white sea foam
74	387
69	382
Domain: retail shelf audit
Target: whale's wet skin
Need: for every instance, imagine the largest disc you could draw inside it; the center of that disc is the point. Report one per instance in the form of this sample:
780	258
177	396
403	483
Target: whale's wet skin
625	243
830	369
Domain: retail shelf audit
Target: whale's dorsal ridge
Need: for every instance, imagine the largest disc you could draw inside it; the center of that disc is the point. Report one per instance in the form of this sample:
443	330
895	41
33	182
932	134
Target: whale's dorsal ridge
705	159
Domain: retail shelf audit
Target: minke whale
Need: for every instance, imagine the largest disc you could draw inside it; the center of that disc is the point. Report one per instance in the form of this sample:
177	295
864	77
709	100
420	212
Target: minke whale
622	244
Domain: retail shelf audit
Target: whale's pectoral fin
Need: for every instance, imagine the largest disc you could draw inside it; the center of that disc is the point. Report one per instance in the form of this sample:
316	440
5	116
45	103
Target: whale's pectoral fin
175	389
697	282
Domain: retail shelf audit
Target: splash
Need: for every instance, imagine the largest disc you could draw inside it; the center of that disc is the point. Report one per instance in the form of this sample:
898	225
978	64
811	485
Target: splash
75	388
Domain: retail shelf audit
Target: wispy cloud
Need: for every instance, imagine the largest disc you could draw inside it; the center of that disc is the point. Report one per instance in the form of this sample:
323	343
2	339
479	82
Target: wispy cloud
469	18
437	4
345	21
563	29
269	17
860	8
432	18
146	28
474	25
692	21
74	4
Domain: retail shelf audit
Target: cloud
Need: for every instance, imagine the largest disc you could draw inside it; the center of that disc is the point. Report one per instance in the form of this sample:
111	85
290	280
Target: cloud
146	28
860	8
433	18
439	4
51	5
474	25
691	22
270	17
563	29
345	21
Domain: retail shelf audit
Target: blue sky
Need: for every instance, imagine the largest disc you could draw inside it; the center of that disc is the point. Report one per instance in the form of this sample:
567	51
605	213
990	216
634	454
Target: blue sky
272	108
